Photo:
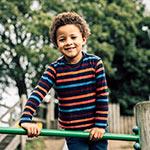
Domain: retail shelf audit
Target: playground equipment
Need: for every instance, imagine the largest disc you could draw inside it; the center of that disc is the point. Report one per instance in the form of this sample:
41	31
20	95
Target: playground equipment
141	134
142	113
67	133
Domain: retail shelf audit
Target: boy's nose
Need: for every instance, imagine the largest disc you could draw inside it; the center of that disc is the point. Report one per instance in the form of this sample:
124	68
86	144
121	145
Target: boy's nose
68	41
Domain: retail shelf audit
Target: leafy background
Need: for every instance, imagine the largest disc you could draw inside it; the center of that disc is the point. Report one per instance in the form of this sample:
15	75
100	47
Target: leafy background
117	37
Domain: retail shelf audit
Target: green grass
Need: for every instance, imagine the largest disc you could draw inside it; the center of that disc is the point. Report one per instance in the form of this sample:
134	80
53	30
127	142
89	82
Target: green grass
35	144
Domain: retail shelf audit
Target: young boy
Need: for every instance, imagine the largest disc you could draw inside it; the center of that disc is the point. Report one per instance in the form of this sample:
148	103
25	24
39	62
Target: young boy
80	83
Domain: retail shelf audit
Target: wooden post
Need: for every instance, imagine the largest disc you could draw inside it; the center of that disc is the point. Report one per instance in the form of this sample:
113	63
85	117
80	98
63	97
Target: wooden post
50	109
23	137
142	112
48	121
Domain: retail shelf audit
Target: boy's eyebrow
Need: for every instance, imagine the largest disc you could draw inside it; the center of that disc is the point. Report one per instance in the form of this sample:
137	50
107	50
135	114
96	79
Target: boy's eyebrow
74	34
62	35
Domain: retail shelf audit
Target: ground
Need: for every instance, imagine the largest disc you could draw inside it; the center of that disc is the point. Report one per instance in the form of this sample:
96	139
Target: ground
58	144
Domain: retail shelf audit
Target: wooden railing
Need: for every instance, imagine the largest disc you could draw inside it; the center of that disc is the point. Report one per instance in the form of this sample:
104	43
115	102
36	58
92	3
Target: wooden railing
15	141
8	142
10	111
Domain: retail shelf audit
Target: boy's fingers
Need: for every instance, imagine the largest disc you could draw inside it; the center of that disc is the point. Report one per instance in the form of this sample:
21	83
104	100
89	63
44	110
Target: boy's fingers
96	134
33	129
100	135
92	134
38	131
30	132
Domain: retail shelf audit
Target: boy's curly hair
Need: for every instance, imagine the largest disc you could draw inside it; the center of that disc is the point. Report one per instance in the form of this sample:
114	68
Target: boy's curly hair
68	18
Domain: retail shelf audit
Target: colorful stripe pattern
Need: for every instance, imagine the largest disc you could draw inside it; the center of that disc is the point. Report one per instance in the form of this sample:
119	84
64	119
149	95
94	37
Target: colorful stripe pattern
82	93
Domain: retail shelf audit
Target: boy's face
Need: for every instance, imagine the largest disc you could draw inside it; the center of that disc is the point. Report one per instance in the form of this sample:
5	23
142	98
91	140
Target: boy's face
70	42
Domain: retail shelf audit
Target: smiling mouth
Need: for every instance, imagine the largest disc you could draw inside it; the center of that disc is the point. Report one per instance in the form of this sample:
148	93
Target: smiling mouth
70	48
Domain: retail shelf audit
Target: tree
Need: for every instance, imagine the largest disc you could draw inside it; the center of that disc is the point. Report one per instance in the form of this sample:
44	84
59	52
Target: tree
130	83
116	30
24	44
116	37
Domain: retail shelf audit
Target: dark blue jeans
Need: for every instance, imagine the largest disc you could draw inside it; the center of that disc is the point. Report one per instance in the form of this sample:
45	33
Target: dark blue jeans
84	144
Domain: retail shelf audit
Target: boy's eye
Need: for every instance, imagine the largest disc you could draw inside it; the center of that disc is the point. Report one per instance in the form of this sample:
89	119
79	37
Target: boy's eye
61	40
73	37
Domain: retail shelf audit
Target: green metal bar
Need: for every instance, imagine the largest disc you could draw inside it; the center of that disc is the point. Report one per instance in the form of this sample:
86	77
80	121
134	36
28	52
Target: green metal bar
68	133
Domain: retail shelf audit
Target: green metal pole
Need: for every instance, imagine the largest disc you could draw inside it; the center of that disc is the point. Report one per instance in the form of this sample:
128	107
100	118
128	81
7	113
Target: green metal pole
68	133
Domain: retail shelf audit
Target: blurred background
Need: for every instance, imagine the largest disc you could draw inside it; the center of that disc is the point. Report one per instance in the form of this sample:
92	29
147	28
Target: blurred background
120	36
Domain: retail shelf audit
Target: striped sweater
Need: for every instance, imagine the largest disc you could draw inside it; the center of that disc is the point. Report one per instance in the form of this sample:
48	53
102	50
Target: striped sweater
82	93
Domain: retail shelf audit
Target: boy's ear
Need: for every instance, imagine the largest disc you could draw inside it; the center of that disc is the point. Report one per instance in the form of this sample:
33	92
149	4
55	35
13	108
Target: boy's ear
84	40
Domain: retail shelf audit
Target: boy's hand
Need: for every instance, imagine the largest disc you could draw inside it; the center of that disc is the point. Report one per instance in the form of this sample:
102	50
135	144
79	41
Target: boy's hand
96	133
33	129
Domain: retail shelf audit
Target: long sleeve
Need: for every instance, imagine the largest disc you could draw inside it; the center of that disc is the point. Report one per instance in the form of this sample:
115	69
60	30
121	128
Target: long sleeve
101	96
45	83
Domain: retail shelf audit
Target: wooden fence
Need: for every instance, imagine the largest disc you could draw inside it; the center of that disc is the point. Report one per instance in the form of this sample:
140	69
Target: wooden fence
45	115
118	123
11	142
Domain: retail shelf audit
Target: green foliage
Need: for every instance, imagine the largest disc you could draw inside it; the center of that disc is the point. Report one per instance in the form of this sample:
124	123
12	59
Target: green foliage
37	144
116	36
24	44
